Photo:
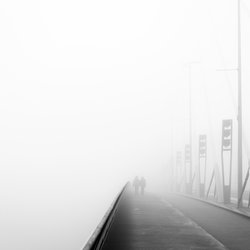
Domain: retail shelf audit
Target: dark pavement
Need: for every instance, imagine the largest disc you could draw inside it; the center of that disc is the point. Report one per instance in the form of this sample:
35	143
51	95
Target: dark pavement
147	222
230	229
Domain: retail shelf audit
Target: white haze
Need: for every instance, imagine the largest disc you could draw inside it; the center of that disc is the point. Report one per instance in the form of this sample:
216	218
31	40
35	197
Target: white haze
90	94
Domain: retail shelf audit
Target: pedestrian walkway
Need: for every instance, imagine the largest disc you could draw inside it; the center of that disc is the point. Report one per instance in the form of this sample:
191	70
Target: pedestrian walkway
148	222
230	228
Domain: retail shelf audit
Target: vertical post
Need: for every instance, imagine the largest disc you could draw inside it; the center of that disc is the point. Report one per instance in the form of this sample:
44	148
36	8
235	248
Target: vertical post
178	171
190	118
239	109
226	146
172	158
189	64
202	167
188	181
190	125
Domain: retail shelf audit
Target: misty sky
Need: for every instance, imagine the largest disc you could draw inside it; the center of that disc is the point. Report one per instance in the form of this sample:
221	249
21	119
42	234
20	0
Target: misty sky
90	94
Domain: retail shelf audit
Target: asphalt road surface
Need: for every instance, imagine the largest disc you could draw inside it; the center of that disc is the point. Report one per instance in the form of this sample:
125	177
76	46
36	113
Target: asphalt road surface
231	229
150	223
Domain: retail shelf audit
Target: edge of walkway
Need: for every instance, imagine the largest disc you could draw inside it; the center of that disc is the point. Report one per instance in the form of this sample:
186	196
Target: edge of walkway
215	204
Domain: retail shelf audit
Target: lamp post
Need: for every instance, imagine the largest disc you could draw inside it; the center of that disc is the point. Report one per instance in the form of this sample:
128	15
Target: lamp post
189	64
239	111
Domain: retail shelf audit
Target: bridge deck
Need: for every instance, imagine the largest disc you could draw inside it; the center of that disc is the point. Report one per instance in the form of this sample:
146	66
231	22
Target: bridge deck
230	228
146	222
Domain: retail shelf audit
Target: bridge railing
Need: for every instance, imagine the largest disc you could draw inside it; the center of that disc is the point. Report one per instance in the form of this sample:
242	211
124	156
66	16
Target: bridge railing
97	239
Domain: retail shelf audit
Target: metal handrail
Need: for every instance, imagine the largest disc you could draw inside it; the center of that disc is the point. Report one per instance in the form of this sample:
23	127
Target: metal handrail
97	239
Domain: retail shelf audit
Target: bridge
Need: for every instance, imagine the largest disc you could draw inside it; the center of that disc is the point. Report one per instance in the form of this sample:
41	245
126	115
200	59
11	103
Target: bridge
207	206
173	221
93	93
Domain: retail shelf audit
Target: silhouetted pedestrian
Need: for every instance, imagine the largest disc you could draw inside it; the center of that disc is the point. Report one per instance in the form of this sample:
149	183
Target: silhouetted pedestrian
136	184
142	185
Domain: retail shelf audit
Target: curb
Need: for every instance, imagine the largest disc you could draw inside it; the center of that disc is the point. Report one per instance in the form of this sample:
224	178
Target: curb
236	211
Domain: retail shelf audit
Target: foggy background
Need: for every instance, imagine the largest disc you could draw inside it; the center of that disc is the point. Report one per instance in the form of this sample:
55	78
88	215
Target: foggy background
93	92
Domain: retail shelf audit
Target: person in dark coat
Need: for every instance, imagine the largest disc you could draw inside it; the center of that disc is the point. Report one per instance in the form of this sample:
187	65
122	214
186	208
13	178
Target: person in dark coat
136	184
142	185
